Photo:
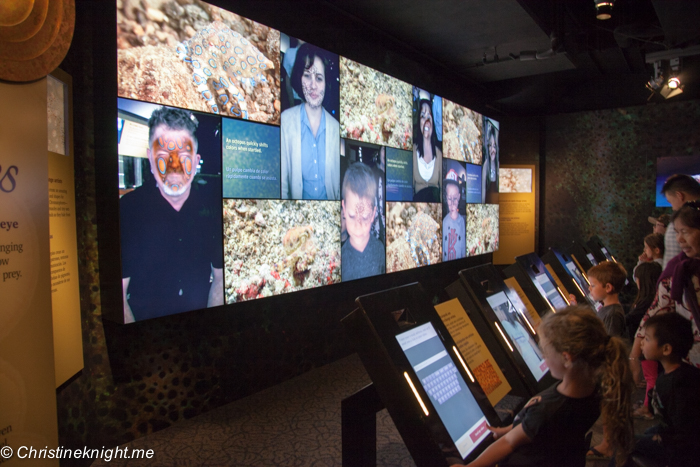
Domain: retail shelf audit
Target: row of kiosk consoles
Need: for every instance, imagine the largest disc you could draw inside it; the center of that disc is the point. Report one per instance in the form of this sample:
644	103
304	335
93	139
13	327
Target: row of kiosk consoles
445	371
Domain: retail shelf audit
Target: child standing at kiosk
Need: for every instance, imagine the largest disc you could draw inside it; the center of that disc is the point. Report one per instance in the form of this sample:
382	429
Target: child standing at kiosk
595	377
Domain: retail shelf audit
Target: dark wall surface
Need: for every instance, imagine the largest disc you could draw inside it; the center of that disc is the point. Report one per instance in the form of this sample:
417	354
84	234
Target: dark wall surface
600	172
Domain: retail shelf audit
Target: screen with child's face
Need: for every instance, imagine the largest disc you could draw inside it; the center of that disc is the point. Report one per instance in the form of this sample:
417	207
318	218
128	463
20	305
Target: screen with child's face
254	164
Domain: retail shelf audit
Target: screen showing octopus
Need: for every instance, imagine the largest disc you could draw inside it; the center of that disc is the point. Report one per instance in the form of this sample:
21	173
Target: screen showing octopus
197	56
374	107
273	247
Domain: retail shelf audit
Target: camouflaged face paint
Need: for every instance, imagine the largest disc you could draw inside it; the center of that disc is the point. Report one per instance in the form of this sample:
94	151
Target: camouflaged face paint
173	155
364	211
313	84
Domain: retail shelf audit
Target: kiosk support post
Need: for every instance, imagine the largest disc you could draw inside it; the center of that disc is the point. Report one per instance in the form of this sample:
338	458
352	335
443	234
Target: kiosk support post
358	415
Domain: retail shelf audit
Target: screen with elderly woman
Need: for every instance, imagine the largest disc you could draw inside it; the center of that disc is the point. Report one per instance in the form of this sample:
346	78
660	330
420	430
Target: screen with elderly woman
253	164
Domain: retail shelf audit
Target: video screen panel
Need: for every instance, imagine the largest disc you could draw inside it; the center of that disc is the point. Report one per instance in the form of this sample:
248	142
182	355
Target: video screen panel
515	326
375	107
279	246
363	223
515	180
482	229
251	159
399	175
170	180
473	184
449	394
413	236
263	129
205	59
667	166
427	146
309	127
454	222
463	133
489	174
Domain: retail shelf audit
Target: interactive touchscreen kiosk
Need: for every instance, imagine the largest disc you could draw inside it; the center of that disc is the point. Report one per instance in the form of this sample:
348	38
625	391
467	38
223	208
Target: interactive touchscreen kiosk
510	324
537	283
568	272
423	380
600	250
582	256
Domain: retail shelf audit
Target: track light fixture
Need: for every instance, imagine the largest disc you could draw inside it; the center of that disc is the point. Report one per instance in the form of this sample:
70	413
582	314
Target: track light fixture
658	83
604	8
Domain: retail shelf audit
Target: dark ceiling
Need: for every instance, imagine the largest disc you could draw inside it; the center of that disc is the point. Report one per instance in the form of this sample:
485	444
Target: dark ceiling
577	62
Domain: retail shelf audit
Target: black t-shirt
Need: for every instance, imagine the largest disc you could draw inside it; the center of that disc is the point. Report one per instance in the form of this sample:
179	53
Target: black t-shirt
676	397
168	255
557	426
370	262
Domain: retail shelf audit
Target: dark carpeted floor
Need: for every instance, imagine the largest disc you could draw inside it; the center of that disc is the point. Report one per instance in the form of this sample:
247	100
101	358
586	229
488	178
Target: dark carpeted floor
296	423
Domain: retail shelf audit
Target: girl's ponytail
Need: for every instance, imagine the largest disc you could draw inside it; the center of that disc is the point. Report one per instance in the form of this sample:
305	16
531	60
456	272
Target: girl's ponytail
579	331
616	386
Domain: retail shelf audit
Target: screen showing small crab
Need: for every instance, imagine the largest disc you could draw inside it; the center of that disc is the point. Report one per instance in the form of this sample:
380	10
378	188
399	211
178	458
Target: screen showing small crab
273	247
374	107
413	235
463	129
482	229
515	180
198	56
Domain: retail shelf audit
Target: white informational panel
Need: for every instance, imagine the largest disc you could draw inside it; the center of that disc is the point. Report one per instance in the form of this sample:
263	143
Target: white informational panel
27	380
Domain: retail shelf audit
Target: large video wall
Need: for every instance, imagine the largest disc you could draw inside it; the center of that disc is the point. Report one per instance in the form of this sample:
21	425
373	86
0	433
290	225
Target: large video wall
253	164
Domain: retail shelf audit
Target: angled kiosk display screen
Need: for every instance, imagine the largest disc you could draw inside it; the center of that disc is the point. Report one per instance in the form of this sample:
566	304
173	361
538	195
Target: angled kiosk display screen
516	327
600	250
570	274
509	323
582	255
446	389
537	283
423	380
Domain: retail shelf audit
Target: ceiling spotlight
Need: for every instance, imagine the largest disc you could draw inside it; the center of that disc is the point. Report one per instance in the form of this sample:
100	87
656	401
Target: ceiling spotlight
668	93
603	8
674	82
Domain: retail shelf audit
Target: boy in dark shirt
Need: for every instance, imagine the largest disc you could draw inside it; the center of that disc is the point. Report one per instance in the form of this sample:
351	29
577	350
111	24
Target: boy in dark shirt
607	279
362	254
674	441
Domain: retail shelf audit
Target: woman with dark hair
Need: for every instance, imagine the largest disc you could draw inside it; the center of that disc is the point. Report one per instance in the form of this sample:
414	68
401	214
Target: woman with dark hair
310	149
678	289
489	174
427	157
